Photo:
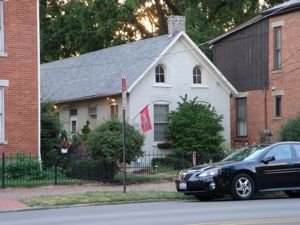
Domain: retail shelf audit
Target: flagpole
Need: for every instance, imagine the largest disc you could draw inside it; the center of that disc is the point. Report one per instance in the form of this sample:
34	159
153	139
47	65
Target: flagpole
123	130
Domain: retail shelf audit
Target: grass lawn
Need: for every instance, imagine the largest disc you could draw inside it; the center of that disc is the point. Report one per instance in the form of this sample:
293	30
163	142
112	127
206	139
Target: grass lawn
103	197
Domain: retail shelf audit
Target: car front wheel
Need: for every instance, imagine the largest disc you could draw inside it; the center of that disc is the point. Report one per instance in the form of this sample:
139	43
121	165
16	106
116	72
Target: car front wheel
242	187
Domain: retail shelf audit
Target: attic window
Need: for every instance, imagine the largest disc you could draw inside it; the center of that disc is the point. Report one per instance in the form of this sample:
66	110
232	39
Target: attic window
197	75
160	75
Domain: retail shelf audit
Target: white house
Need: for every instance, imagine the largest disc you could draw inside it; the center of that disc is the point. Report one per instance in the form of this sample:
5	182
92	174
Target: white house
158	71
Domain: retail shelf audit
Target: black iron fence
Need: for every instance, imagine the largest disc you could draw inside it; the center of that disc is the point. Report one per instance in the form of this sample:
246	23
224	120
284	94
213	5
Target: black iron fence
23	170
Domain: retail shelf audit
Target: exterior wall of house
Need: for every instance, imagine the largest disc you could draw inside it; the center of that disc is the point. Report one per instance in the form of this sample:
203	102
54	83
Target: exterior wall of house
102	112
256	118
242	57
179	64
19	66
285	82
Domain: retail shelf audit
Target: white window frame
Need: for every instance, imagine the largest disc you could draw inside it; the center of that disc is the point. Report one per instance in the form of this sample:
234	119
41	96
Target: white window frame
1	28
197	76
155	122
73	119
277	47
2	114
164	74
3	84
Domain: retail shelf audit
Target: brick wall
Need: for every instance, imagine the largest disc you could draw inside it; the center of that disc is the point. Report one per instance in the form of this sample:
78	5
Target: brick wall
287	80
284	82
20	67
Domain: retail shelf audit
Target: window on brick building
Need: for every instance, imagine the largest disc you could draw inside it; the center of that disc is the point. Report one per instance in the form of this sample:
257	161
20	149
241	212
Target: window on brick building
241	109
277	47
278	106
1	28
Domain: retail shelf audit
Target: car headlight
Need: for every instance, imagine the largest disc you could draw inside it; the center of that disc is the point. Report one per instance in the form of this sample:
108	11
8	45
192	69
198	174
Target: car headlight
210	172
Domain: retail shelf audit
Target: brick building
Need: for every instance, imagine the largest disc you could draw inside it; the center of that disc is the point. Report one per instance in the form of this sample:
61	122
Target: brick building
19	62
261	58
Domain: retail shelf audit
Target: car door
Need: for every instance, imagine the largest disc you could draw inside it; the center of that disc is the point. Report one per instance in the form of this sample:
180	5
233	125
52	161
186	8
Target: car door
296	147
278	171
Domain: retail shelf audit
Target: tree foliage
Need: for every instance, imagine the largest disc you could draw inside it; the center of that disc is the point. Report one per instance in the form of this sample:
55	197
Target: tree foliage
74	27
50	130
290	131
106	142
196	127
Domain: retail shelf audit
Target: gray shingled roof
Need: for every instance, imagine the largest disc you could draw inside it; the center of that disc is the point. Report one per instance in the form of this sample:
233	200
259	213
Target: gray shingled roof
99	73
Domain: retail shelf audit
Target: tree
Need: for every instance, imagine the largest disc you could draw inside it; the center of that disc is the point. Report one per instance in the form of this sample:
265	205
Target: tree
290	131
106	142
196	127
50	130
74	27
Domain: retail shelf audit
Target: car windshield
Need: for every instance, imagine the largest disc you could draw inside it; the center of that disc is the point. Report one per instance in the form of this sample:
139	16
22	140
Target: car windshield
247	153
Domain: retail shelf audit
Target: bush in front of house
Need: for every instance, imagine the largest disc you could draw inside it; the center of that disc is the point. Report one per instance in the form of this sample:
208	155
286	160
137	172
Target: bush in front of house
50	130
90	169
290	131
196	127
172	162
106	142
22	166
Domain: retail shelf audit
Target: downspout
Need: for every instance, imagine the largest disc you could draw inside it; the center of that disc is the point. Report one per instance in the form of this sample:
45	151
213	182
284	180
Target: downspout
266	108
39	88
266	112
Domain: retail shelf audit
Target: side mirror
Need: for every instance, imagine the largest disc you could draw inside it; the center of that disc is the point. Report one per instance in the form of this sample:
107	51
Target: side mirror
268	159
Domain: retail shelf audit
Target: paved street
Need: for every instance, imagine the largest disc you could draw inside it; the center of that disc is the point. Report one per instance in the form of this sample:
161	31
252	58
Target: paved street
283	211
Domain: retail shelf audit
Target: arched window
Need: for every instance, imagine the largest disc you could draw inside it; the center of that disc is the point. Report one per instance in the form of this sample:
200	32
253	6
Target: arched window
197	75
160	74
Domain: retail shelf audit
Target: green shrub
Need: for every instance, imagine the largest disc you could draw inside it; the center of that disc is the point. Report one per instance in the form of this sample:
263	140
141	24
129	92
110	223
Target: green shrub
171	161
23	166
196	127
91	170
290	131
106	142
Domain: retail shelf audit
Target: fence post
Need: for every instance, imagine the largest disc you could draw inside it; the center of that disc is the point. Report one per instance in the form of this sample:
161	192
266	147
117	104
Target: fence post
55	173
3	170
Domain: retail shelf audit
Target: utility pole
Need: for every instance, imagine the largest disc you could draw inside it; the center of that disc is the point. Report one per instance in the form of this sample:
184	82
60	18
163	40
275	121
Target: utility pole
124	146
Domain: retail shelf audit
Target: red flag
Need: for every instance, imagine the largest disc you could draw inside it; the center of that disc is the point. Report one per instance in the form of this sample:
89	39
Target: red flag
145	120
123	83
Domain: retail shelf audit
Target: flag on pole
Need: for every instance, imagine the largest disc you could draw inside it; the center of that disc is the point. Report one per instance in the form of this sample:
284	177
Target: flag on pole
145	120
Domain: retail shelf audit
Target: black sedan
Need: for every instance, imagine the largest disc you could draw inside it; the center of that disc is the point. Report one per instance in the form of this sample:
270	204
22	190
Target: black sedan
253	169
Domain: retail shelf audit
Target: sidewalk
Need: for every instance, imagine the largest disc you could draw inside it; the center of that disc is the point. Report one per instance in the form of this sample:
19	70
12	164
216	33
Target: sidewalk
12	198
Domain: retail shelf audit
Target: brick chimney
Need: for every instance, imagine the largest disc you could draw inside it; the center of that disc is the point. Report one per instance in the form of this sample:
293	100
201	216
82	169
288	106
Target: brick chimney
175	25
